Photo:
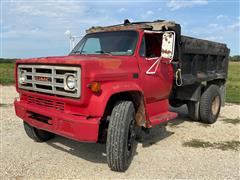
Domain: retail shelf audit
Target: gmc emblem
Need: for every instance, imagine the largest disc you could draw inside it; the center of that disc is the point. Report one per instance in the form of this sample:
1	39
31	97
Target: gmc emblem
42	78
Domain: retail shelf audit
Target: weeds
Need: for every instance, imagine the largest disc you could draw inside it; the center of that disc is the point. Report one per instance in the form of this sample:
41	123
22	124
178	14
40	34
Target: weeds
5	105
224	145
232	121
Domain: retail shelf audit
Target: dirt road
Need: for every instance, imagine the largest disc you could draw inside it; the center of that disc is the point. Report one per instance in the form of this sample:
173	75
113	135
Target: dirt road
180	149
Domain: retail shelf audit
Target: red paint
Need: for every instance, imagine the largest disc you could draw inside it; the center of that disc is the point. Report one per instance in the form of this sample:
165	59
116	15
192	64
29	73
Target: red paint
75	127
115	73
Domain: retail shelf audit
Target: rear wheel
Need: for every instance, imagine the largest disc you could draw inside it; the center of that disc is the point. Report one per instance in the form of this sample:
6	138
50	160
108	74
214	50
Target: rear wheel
210	104
121	143
37	135
193	110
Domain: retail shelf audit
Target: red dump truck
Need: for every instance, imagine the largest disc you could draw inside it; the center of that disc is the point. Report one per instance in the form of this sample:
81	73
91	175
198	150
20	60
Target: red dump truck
118	80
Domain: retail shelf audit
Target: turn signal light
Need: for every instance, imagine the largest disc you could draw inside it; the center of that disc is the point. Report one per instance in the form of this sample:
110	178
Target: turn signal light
95	87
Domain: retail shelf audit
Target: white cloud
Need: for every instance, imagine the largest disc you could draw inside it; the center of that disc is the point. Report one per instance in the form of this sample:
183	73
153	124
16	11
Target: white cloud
47	9
147	14
208	30
213	25
175	5
221	16
234	26
213	38
122	10
51	19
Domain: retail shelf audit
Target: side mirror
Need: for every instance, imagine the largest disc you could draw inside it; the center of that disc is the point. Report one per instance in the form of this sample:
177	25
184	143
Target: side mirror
168	44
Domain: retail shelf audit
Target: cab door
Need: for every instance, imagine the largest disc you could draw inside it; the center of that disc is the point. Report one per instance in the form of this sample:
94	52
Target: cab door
155	55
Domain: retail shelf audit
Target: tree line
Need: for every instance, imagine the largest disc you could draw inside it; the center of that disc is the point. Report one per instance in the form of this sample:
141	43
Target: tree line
235	58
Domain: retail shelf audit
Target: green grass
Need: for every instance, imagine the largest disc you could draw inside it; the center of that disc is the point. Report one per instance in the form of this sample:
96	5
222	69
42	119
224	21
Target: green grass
7	73
231	121
233	82
223	145
5	105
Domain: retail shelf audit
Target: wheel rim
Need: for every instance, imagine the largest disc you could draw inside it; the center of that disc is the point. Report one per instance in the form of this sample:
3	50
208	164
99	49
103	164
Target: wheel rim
131	137
215	105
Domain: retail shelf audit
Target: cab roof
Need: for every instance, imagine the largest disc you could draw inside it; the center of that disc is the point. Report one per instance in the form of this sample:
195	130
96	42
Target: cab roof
157	25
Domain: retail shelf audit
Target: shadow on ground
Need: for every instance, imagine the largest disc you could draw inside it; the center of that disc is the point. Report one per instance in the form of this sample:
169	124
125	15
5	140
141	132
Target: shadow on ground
89	151
97	152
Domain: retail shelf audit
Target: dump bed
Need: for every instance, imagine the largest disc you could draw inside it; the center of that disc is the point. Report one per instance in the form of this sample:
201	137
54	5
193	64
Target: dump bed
202	60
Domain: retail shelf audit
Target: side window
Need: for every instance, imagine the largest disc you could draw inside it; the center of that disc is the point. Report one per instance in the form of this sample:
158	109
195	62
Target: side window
142	51
91	46
153	43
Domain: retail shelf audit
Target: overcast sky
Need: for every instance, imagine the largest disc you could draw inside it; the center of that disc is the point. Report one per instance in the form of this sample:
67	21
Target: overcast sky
36	28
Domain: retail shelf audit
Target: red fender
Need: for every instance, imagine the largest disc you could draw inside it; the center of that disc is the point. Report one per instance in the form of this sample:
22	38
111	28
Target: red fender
98	102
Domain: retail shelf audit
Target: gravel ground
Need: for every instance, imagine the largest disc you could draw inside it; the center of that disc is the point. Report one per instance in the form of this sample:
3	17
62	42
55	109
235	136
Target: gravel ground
161	154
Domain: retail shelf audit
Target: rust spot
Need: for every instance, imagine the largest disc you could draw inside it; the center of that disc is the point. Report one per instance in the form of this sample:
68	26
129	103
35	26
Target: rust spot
110	64
140	115
119	27
166	51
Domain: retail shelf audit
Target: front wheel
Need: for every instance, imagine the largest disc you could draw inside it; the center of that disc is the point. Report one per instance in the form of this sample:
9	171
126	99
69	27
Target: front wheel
121	143
37	135
210	104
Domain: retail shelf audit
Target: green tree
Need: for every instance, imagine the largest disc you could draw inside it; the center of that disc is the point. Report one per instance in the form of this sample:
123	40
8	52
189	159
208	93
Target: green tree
235	58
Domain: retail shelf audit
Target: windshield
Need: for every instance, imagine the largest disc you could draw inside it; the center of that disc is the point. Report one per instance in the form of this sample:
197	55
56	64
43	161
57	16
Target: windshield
112	43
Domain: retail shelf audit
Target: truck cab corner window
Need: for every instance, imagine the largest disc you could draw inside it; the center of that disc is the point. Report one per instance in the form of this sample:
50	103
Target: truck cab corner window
152	43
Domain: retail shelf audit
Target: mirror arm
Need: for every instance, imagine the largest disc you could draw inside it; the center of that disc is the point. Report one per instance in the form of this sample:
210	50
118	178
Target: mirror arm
156	64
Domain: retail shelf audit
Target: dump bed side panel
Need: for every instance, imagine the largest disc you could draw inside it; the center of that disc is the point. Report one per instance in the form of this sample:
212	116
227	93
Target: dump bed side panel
202	60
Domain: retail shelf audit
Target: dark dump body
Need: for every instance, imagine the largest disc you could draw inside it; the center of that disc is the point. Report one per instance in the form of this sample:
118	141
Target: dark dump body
202	60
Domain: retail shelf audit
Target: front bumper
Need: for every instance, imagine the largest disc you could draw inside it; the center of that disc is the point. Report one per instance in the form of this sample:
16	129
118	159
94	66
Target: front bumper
79	128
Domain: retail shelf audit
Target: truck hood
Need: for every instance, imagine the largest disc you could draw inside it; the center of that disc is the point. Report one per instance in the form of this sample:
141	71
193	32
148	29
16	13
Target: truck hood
93	66
74	59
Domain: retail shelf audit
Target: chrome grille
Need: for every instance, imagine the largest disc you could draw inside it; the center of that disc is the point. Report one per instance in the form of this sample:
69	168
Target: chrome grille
49	79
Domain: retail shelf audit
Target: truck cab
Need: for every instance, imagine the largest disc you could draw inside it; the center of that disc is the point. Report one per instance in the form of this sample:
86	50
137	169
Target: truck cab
116	81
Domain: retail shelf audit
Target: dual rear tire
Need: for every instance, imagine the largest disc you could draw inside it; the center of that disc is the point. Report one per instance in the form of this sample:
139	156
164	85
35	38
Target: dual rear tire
207	109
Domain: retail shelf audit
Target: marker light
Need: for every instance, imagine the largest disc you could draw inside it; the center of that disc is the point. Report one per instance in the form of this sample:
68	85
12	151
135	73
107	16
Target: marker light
95	87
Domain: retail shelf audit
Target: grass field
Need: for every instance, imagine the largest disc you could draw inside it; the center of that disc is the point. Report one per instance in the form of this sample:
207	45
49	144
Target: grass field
6	73
233	83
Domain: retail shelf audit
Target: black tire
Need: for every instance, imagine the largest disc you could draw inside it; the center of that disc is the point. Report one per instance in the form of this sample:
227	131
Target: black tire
210	104
37	135
121	143
193	110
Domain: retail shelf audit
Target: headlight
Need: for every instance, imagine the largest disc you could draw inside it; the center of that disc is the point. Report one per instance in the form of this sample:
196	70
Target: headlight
22	78
70	82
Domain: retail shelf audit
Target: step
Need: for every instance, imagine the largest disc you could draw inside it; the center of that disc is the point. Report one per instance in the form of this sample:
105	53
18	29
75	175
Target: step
162	117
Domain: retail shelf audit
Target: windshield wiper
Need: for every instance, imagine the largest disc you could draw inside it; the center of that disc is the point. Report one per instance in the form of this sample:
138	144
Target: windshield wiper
79	52
76	52
103	52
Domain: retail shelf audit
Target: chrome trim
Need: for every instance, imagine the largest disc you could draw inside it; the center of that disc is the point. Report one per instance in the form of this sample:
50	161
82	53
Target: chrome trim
51	86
